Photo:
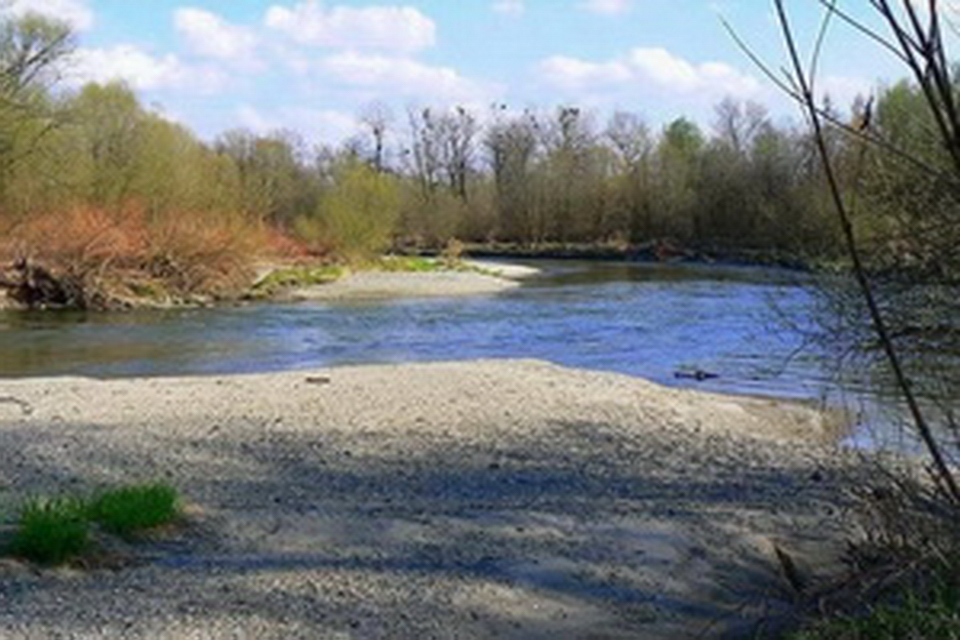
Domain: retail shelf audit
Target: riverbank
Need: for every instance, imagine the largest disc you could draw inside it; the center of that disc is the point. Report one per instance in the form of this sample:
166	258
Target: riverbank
478	499
388	277
656	251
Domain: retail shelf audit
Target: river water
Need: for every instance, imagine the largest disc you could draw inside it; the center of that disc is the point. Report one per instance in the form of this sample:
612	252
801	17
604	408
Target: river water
745	325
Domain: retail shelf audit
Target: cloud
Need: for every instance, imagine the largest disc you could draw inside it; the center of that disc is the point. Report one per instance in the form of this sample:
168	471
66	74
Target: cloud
642	67
317	125
402	29
76	13
509	7
141	70
405	78
209	35
607	7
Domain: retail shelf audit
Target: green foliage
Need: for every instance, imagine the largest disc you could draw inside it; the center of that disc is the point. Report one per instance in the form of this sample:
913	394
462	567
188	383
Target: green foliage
129	510
358	212
409	264
51	531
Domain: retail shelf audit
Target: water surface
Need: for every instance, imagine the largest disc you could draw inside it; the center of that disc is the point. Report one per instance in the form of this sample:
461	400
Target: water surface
646	320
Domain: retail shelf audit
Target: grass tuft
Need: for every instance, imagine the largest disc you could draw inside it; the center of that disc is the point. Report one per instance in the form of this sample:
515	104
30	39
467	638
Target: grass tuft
297	277
408	264
129	510
51	531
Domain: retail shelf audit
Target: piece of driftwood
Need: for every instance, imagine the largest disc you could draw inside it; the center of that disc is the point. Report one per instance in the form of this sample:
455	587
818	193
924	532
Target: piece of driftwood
697	375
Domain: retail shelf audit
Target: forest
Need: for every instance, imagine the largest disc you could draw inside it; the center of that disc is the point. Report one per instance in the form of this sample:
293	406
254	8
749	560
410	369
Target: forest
101	189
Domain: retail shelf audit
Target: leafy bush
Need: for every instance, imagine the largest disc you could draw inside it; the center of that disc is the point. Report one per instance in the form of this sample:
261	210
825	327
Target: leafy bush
357	215
129	510
51	531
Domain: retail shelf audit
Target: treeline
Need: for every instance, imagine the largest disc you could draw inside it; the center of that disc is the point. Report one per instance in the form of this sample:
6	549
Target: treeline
95	181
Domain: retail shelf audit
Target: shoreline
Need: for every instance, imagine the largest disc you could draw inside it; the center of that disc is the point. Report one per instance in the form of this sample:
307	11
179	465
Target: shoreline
481	499
476	278
479	278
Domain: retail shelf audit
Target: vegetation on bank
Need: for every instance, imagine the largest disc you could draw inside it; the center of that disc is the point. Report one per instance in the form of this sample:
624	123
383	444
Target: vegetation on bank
112	202
54	531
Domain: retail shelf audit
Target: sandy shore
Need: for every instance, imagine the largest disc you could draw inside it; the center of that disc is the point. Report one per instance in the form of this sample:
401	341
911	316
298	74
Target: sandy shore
488	279
492	499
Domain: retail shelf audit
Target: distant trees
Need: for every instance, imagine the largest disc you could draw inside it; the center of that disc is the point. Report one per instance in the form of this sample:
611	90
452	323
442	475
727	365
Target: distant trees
521	177
357	213
31	48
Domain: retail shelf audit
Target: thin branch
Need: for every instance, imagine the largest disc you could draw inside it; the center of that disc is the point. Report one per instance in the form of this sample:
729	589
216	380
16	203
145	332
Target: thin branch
943	471
818	46
831	6
789	88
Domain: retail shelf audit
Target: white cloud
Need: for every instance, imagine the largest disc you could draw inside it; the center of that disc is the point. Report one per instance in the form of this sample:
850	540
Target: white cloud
607	7
376	27
209	35
76	13
843	90
316	125
406	78
647	66
509	7
141	70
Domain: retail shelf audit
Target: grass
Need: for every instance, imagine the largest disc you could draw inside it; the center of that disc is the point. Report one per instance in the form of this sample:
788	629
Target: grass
906	591
51	531
298	277
409	264
932	615
129	510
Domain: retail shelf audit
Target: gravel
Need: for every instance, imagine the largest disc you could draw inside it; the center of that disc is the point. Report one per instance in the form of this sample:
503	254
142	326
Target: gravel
372	285
489	499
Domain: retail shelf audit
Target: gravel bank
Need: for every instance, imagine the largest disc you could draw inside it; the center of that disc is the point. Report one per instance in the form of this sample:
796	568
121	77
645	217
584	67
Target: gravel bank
492	499
367	285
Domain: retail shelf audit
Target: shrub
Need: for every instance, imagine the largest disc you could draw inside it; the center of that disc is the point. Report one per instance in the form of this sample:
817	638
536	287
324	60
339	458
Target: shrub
51	531
357	215
129	510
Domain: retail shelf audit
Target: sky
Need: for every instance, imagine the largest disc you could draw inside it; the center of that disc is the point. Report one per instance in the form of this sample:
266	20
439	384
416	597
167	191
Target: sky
314	66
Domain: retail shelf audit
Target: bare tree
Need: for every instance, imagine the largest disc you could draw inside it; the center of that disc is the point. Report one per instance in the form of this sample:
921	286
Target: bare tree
378	118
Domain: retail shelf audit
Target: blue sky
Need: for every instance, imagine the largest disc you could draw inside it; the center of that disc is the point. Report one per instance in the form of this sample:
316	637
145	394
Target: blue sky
313	66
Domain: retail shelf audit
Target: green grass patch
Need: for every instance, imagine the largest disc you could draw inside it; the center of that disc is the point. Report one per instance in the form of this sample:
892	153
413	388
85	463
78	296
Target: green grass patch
930	613
409	264
298	277
130	510
51	531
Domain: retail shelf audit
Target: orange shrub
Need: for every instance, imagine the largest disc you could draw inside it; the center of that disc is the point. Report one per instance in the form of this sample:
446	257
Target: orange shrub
203	253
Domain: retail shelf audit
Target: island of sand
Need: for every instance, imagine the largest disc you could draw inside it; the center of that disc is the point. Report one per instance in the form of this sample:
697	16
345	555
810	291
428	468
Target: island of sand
490	499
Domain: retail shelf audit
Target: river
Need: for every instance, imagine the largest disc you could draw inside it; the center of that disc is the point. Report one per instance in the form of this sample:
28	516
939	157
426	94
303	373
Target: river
746	325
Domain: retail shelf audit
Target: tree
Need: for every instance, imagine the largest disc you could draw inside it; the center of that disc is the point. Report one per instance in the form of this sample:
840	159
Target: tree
678	156
633	147
377	117
512	147
358	212
31	50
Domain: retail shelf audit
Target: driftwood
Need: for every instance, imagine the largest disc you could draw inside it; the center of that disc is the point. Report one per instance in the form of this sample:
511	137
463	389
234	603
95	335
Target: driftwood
37	287
697	375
